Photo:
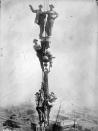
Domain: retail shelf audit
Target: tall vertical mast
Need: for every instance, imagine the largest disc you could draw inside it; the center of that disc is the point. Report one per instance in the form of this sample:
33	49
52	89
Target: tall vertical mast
44	99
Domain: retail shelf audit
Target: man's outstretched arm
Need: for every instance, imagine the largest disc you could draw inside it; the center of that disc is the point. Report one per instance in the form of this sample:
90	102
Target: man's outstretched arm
34	11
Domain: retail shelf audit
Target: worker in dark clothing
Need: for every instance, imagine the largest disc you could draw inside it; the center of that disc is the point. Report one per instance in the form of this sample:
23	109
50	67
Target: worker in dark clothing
47	58
47	107
44	56
45	44
38	12
41	23
39	52
52	15
52	97
40	18
39	106
36	46
50	57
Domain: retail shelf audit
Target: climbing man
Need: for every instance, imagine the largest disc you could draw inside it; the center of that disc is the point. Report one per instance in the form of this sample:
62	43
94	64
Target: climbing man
39	52
47	60
39	106
45	44
40	18
52	15
47	108
50	57
52	97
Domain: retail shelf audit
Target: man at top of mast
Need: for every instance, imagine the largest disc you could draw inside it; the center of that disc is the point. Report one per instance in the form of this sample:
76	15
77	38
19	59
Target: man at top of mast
40	18
52	15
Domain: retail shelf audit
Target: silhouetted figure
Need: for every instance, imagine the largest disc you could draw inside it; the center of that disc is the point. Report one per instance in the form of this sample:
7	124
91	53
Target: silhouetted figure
52	97
44	56
50	57
39	106
39	52
52	15
45	44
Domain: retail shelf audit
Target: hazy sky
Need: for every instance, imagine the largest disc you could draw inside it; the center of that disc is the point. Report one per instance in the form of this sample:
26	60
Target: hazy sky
74	44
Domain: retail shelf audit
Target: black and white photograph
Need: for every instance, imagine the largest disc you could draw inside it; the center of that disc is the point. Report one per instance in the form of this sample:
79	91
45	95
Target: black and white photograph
48	65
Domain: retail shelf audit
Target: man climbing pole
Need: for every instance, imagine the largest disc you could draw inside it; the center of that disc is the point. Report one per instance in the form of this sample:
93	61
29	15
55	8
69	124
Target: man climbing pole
44	57
40	18
39	52
39	105
45	44
50	57
52	15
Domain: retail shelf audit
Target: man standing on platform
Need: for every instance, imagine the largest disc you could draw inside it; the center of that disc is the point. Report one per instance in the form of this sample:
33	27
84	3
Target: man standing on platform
52	15
40	18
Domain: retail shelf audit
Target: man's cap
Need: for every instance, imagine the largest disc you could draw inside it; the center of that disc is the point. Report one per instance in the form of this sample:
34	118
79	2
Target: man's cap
35	40
51	5
40	5
36	93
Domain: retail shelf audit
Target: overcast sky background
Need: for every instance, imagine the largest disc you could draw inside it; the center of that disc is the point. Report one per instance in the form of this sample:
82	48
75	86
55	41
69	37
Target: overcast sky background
74	44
